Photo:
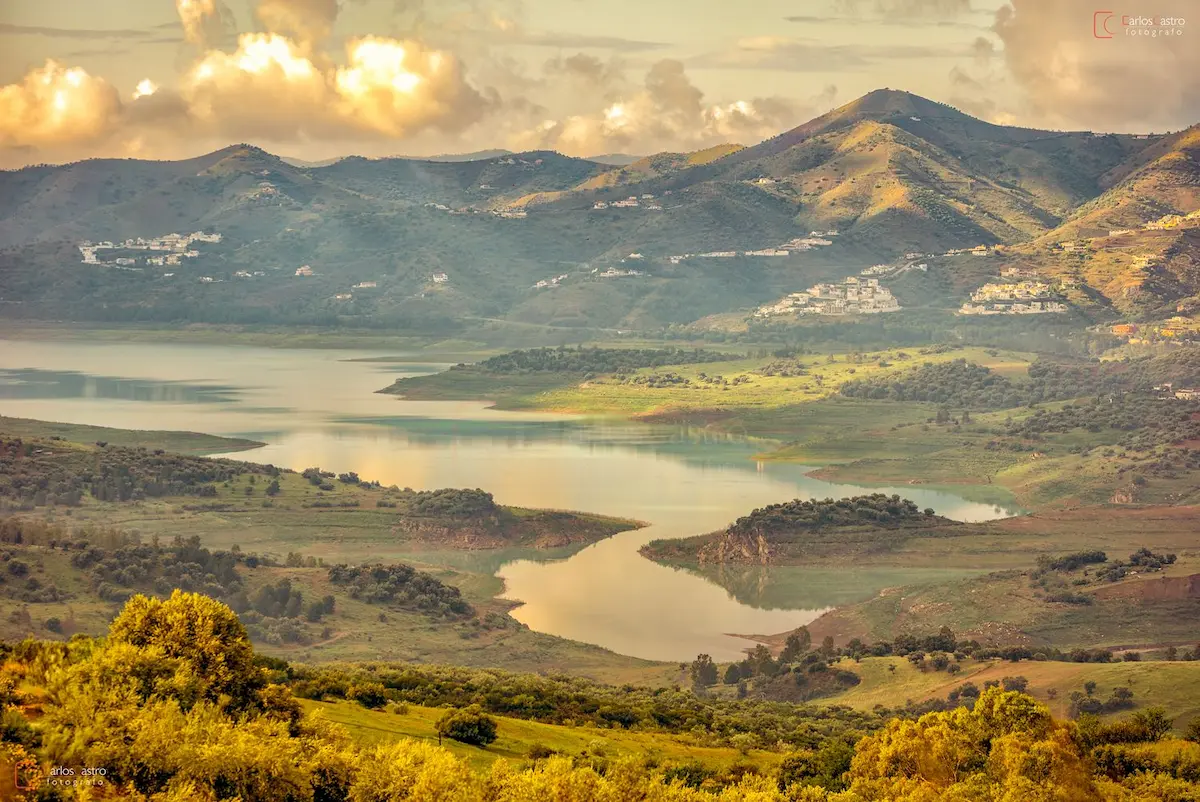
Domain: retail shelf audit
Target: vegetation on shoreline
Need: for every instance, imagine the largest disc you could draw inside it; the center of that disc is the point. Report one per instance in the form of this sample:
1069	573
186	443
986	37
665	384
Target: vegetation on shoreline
794	532
190	444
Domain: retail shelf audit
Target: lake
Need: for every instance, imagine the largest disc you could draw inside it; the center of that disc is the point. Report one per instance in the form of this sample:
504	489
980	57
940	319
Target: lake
319	407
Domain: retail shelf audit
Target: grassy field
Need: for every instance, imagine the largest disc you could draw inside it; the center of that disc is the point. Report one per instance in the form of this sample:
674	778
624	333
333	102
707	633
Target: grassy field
1173	685
191	443
823	375
517	736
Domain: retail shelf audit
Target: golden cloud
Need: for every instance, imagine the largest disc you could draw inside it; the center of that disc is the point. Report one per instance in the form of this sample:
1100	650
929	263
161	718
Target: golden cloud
55	104
268	87
667	112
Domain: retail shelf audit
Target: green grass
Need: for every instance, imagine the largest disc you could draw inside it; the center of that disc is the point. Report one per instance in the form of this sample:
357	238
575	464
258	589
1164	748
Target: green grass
1173	685
517	736
191	443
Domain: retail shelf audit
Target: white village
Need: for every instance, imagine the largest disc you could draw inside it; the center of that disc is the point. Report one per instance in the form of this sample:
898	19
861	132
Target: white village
853	296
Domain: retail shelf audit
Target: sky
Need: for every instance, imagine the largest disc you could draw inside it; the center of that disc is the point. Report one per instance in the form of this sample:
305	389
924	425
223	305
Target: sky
317	79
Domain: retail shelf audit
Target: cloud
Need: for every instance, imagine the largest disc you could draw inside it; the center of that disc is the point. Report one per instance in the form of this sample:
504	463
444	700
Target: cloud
204	21
55	104
806	55
269	88
307	21
904	9
130	34
1069	78
983	50
666	112
576	41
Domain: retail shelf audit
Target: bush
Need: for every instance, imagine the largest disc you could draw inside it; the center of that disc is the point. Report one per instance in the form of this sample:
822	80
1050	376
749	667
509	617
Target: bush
368	694
469	726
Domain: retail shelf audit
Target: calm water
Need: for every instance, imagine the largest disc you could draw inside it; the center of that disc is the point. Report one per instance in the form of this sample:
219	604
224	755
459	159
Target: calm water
318	408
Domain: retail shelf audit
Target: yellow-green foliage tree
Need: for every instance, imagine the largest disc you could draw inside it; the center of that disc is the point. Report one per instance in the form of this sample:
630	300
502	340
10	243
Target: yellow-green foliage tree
1007	748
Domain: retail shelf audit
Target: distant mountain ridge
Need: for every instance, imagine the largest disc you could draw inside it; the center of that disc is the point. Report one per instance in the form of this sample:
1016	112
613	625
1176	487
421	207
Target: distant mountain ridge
891	172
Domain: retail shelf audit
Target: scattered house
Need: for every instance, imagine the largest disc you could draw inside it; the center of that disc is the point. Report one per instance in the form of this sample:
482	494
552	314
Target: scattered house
1126	330
634	257
551	282
768	252
600	205
242	274
305	270
1188	394
613	272
206	279
440	278
915	255
365	285
343	296
718	255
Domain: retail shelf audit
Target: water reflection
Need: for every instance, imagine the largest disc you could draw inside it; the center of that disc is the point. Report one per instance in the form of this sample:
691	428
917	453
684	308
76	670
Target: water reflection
31	383
318	408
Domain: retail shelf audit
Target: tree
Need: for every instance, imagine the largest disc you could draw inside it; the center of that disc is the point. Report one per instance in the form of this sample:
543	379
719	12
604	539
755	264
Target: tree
468	725
797	643
203	634
273	488
703	671
1193	731
732	674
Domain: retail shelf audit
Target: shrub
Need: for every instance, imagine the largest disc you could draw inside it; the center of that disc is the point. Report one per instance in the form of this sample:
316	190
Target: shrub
468	725
368	694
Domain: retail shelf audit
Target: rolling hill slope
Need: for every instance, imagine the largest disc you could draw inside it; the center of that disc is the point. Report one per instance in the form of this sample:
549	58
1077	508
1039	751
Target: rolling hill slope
891	172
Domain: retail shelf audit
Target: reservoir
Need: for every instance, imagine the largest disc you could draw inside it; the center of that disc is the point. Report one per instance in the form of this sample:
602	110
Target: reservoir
320	408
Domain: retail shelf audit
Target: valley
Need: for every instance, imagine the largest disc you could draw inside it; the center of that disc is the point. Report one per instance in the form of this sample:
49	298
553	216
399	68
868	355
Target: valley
860	463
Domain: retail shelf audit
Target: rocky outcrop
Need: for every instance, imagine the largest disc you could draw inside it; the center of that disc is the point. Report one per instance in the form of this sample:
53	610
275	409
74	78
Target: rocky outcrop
741	547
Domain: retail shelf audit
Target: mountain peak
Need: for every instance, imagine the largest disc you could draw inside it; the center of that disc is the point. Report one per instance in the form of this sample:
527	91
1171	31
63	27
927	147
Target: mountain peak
893	102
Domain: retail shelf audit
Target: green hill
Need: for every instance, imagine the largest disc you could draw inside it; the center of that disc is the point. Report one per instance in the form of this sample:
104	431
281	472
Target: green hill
891	172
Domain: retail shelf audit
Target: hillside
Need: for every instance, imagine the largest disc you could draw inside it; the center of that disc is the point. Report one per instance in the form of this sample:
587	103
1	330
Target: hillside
539	238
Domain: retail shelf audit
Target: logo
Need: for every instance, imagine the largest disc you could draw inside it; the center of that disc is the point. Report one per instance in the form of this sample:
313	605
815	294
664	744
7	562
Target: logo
1105	25
1100	24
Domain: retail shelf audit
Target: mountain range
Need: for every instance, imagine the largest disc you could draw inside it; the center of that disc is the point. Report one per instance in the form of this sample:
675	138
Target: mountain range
891	172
